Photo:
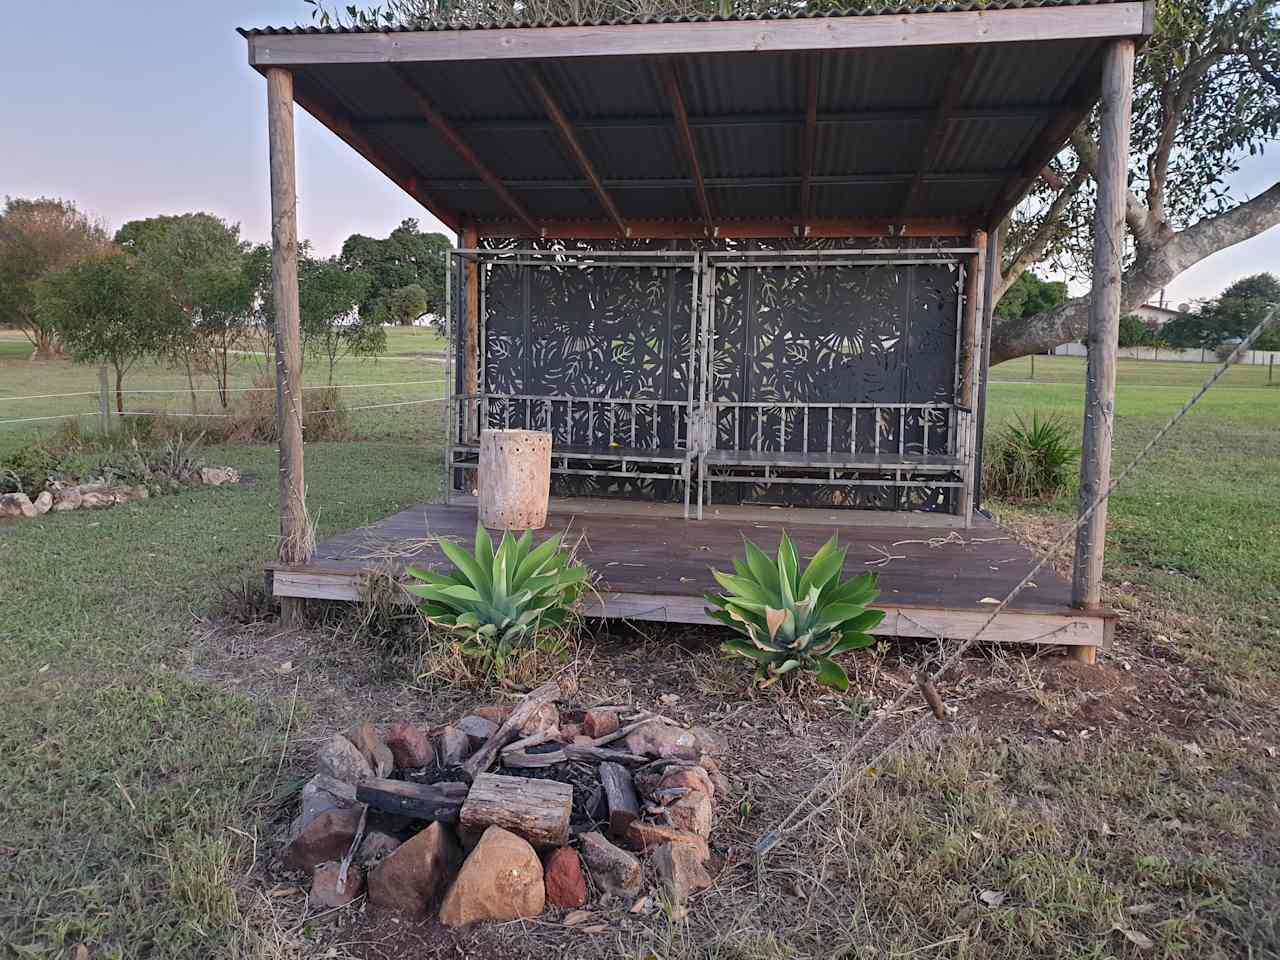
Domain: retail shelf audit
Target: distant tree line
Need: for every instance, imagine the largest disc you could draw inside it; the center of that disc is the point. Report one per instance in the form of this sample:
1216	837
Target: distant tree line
188	291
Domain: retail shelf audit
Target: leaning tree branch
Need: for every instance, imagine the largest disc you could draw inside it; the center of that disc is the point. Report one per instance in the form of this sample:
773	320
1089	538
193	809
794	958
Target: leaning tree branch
1136	214
1032	251
1154	267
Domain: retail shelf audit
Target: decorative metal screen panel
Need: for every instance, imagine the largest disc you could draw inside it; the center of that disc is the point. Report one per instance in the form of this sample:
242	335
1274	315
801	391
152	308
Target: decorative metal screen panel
828	334
594	333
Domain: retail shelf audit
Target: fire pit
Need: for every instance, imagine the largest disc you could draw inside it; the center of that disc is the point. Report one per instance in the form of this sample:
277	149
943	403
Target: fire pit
508	810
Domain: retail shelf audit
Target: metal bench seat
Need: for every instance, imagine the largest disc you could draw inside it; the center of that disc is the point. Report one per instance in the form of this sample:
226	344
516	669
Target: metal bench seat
837	460
581	452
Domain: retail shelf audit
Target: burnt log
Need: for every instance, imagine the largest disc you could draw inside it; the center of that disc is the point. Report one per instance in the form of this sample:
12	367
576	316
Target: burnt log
483	758
421	801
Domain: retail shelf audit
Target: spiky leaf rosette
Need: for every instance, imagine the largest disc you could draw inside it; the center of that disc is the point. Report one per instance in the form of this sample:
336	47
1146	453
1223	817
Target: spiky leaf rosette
792	618
500	599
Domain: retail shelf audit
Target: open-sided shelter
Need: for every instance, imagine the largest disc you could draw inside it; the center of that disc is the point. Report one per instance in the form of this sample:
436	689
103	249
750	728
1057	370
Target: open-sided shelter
733	265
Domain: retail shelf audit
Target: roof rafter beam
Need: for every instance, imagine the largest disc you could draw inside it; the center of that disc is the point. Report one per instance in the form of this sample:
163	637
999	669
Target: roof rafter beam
676	96
1079	101
331	114
731	120
809	141
741	229
957	79
460	146
666	183
571	141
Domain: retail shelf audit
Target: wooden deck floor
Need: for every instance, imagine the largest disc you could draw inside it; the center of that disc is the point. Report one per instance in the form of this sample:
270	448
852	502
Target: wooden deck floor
933	581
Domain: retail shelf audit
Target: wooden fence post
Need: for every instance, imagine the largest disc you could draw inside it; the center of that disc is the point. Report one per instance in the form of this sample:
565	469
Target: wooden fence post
104	399
971	366
1104	324
296	538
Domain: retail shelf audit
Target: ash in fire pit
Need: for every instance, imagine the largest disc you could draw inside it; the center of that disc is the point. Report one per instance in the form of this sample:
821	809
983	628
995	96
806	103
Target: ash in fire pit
526	795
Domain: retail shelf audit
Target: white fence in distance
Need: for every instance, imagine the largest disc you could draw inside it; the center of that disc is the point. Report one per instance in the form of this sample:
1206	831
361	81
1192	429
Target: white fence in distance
1186	355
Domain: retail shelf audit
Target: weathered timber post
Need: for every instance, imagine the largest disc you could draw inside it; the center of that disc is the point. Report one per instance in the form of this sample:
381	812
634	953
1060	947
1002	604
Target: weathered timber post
970	367
1104	324
471	335
296	543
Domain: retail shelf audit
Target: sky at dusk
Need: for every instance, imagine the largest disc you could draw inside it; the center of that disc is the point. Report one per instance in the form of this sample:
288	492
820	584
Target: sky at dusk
133	109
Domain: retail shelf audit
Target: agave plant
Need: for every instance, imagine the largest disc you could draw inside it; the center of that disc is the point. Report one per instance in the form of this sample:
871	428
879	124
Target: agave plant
499	599
794	619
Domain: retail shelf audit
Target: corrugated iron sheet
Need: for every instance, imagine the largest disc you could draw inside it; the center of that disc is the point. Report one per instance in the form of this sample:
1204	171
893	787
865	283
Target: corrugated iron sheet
871	9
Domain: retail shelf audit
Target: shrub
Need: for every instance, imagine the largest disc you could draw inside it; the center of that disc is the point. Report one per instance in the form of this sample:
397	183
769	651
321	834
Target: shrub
28	469
793	619
1030	462
500	601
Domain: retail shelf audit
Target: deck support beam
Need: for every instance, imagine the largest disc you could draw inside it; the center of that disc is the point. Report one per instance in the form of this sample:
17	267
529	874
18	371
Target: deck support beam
1104	322
574	145
296	540
971	366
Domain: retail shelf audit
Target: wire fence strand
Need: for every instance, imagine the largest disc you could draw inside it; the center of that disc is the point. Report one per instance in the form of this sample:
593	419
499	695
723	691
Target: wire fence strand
798	817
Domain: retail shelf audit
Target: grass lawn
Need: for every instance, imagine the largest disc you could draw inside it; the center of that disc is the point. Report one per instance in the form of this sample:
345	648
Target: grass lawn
139	787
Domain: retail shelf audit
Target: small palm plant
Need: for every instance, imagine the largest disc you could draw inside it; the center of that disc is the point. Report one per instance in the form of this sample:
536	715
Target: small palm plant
795	619
1031	461
499	600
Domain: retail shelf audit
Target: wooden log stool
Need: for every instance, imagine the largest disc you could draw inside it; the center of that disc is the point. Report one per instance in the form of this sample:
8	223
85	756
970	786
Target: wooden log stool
515	479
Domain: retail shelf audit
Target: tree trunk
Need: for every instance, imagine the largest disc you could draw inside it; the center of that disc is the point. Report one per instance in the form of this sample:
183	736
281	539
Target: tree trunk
1161	256
191	384
119	390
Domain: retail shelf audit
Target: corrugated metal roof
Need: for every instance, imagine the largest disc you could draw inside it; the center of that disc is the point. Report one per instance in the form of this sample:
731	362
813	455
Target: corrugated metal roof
870	9
875	114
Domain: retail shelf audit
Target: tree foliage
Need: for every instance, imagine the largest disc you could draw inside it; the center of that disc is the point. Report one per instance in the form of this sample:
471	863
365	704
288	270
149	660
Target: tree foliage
38	237
408	257
1029	295
404	306
332	324
1230	317
201	261
106	309
1133	331
1206	94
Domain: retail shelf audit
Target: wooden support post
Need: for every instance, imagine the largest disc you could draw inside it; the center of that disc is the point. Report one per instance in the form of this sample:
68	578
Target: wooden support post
296	539
104	400
470	337
971	367
1104	323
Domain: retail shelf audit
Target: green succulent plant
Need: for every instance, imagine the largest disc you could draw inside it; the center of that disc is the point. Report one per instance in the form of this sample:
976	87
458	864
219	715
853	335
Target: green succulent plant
794	619
500	599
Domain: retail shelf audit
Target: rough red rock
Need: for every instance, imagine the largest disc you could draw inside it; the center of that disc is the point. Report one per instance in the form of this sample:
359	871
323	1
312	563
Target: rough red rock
566	884
342	760
377	845
478	729
375	752
497	714
688	778
327	837
409	745
692	812
663	740
500	880
600	723
645	836
324	885
613	869
678	866
454	747
411	878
